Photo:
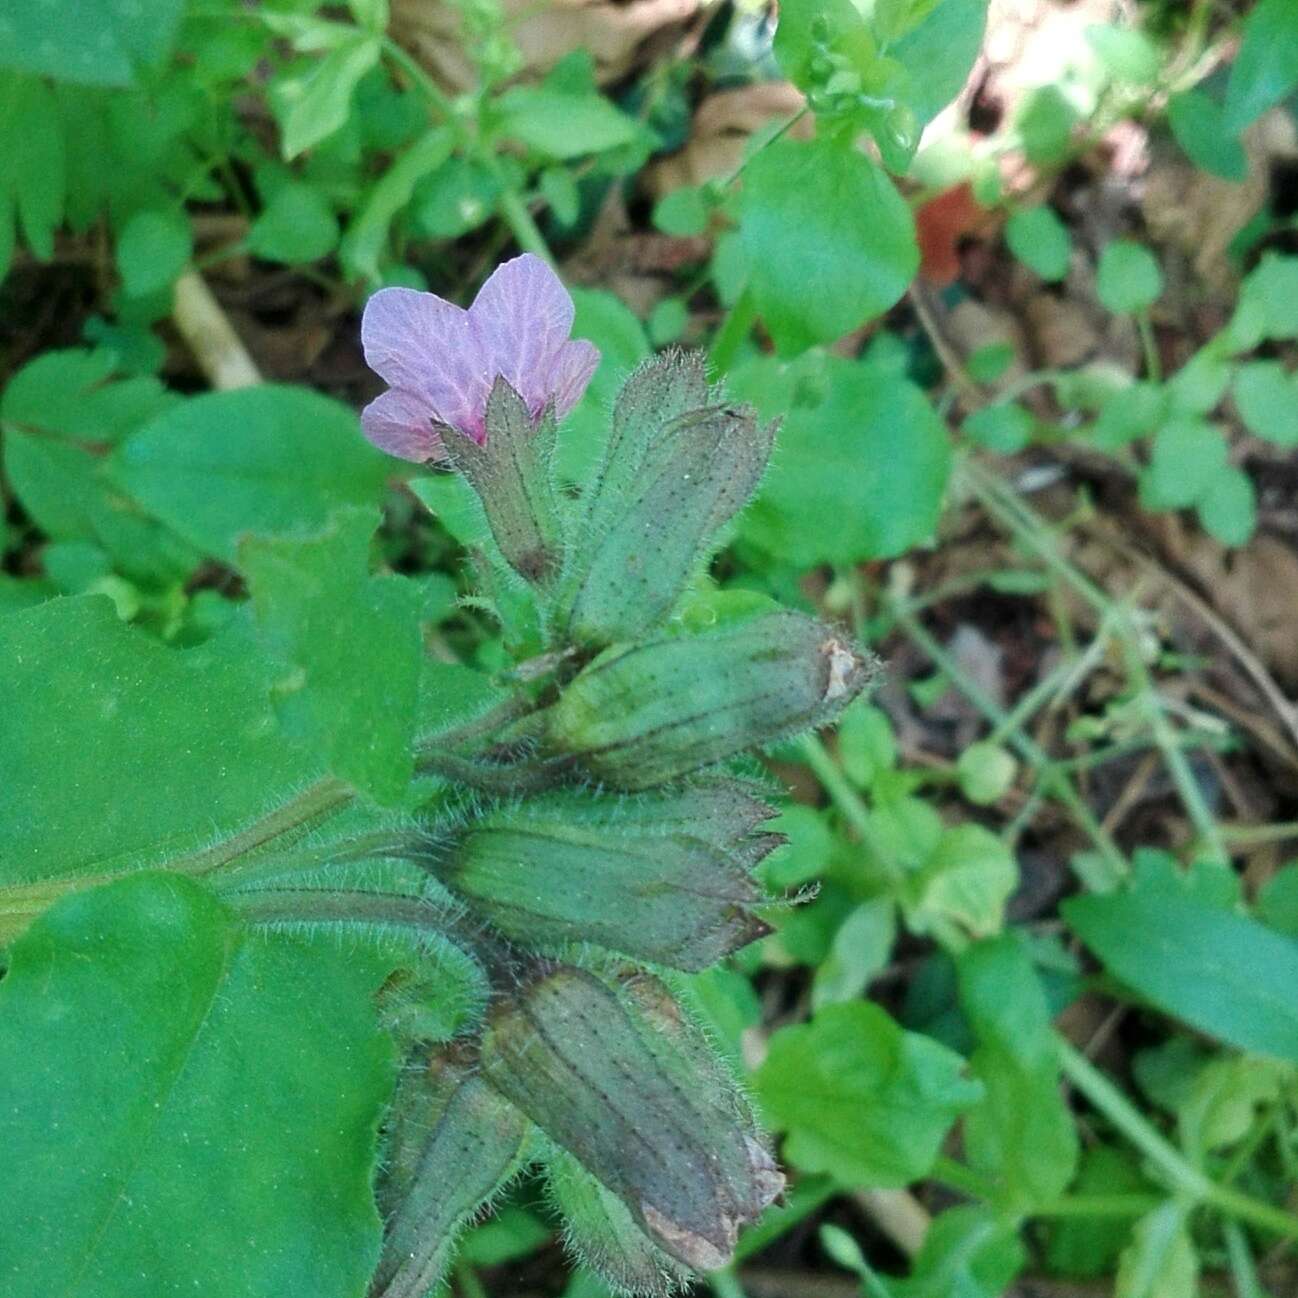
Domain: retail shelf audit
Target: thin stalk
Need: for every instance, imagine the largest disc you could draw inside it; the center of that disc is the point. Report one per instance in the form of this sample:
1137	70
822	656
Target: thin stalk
1098	1205
1242	1268
1180	1175
849	803
515	211
314	804
1033	532
1149	345
1053	780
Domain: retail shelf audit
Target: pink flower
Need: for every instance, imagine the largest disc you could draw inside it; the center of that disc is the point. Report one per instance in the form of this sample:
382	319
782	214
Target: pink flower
441	361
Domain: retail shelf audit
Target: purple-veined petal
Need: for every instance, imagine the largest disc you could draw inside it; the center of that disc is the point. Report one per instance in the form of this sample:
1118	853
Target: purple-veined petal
401	424
424	345
572	373
522	317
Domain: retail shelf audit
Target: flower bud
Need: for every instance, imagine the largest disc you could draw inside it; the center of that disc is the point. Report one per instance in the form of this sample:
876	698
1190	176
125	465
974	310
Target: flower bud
574	1057
680	463
510	471
645	714
543	876
452	1140
600	1233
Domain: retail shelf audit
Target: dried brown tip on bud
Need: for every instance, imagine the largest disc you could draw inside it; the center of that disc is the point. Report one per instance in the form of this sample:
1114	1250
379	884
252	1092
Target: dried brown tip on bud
692	1249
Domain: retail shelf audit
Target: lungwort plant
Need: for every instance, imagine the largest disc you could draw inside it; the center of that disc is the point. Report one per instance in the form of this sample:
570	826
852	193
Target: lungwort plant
569	844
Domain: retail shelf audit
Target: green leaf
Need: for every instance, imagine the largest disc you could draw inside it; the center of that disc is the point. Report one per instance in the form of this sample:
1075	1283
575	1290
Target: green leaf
561	125
986	772
297	226
967	1253
60	415
34	178
1265	70
1021	1133
1128	55
607	322
266	459
1045	122
966	879
864	447
1266	395
1198	124
867	746
1188	455
667	321
152	251
683	212
314	105
859	1097
861	948
1004	427
1128	279
354	644
185	1107
1088	1246
1268	302
1228	509
1040	240
366	237
807	853
1277	902
103	43
1160	1261
456	198
1221	973
156	751
560	190
830	242
939	52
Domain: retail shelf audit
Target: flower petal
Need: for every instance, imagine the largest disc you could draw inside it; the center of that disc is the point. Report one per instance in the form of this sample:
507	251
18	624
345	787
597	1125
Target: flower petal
573	371
522	317
424	345
401	424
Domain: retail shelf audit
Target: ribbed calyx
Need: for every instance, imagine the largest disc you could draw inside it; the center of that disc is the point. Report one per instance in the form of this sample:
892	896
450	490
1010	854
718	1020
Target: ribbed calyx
590	847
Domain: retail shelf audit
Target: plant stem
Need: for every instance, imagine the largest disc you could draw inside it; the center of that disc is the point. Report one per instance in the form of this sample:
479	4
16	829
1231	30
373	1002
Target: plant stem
515	211
1052	778
1149	345
312	805
849	803
1033	532
1098	1205
1180	1175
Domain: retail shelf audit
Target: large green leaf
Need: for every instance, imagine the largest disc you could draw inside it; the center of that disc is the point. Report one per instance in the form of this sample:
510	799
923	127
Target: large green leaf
1021	1133
99	43
1221	973
116	749
353	644
1265	70
830	242
939	52
861	450
185	1109
265	459
859	1097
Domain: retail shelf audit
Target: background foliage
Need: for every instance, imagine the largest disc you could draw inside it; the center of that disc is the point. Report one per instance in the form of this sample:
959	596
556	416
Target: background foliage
1020	290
